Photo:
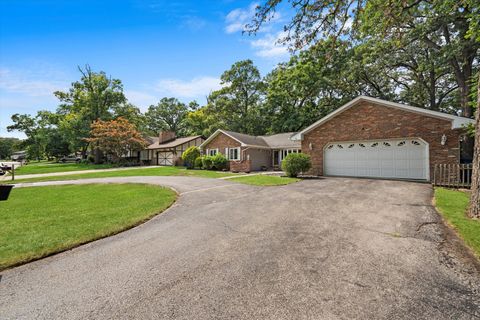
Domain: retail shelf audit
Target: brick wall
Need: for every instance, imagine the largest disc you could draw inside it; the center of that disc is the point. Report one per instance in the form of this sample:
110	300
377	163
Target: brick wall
221	142
241	166
367	121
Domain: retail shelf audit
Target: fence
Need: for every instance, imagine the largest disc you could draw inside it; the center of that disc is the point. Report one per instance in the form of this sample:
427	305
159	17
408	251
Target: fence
453	175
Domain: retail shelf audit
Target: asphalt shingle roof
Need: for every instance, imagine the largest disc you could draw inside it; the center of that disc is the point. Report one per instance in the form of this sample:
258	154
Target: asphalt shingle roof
281	140
172	143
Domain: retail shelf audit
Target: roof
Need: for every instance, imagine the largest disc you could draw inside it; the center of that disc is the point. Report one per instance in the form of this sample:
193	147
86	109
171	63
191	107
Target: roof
281	140
457	122
171	143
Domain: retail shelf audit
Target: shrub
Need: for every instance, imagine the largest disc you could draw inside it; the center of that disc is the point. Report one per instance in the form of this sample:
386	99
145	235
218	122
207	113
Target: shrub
207	162
190	155
295	163
219	161
198	163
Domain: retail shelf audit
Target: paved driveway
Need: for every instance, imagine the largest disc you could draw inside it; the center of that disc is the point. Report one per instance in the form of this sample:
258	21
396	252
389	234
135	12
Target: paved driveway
319	249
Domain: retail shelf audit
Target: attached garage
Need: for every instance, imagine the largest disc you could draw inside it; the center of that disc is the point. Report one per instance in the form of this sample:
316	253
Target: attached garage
397	159
370	137
165	158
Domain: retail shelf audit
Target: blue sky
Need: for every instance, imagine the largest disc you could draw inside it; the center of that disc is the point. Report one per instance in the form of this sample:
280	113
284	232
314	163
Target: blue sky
156	47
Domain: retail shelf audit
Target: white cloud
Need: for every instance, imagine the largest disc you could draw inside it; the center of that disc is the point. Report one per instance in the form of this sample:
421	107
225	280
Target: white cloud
269	46
141	99
29	83
238	18
196	88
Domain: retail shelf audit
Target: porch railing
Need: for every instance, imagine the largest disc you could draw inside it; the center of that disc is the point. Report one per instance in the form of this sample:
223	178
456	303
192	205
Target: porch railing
453	175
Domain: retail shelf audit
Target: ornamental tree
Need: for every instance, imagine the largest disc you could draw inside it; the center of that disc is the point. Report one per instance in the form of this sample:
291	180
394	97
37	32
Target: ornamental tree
116	137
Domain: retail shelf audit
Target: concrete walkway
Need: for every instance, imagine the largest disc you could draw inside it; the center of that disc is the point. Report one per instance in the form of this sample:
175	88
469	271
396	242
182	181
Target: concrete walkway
333	248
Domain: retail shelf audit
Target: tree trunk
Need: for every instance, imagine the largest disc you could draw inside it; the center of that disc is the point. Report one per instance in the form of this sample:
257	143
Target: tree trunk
474	209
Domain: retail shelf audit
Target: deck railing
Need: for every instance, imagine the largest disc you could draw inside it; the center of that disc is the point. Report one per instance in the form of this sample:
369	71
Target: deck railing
453	175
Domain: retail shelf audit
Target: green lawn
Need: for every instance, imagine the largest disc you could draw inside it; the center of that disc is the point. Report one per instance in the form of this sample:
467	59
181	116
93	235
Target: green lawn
452	205
265	180
39	221
49	167
159	171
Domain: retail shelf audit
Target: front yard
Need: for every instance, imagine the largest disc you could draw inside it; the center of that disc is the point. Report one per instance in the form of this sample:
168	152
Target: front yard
146	171
452	205
39	221
35	167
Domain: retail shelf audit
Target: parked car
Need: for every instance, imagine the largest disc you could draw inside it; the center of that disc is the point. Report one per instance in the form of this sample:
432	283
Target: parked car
5	167
70	158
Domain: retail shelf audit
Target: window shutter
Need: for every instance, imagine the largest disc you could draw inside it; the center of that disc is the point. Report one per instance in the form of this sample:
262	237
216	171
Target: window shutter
226	154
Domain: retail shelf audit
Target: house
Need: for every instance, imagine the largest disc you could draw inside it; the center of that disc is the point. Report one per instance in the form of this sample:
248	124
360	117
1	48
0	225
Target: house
247	153
370	137
167	149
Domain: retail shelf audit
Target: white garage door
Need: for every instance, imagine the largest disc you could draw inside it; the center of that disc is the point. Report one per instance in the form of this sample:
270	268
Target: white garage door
399	159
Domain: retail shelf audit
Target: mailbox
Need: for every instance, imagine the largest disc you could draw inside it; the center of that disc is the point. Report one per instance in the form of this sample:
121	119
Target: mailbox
5	191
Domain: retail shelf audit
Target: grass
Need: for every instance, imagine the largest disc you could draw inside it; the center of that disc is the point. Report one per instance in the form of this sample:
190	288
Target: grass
39	221
51	167
265	180
453	205
159	171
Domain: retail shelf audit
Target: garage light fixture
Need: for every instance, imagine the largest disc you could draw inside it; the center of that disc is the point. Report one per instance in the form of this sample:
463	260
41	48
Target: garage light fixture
444	139
310	146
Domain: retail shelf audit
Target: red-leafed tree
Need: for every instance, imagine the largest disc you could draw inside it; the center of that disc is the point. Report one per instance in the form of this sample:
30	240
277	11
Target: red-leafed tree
116	137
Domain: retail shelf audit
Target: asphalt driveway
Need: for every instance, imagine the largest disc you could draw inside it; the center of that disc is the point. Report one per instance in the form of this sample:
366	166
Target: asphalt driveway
333	248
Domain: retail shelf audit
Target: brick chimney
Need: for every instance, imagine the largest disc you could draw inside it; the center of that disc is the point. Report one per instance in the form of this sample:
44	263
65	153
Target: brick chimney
166	136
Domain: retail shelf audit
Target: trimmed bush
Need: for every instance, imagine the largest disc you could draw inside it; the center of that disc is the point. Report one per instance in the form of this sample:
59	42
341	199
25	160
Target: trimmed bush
207	162
198	163
296	163
219	162
190	155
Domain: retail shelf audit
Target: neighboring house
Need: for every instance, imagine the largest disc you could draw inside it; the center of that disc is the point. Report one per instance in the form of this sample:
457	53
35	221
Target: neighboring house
19	156
247	153
167	149
369	137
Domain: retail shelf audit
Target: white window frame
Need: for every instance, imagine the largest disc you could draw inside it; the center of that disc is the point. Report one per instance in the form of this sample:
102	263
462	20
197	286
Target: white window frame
229	155
210	153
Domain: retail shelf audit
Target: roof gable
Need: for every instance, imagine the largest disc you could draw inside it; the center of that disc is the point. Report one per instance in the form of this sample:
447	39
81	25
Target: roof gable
172	143
457	122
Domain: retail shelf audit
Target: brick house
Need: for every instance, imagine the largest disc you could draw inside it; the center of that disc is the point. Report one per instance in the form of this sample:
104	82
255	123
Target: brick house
247	153
369	137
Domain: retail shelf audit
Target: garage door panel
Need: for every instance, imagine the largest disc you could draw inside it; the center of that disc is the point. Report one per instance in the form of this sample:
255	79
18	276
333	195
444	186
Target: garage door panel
405	159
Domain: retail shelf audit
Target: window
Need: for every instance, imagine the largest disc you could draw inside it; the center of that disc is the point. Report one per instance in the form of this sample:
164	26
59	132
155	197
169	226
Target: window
234	154
212	152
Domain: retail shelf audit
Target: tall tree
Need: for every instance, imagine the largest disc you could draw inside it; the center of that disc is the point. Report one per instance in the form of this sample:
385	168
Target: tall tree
91	98
446	27
8	146
131	113
238	101
474	208
169	114
319	80
37	129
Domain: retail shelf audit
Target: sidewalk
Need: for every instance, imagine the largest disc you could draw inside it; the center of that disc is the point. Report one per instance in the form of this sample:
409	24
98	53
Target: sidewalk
7	177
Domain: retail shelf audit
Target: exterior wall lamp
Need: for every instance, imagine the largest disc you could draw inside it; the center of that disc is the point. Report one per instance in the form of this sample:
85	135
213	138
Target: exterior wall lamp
310	146
444	139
